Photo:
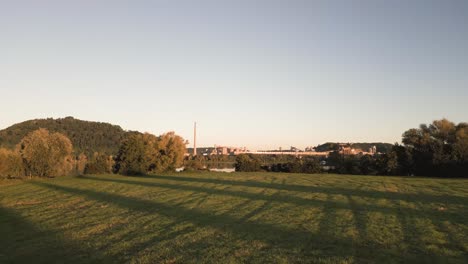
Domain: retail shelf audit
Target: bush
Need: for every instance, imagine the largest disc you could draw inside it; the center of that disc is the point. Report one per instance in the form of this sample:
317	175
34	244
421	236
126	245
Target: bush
311	166
194	164
247	163
297	166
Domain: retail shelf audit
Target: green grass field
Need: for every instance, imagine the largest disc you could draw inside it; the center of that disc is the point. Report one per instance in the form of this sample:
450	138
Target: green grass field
234	218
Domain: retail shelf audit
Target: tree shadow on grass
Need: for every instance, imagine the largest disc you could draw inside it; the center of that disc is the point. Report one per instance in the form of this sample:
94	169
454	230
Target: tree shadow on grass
22	241
274	235
320	244
441	215
170	233
425	198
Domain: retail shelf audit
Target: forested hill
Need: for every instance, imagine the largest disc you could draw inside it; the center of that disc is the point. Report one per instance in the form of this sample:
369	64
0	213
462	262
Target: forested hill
86	136
331	146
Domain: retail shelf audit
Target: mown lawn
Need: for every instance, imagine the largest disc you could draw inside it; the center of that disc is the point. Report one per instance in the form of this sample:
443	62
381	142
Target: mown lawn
234	218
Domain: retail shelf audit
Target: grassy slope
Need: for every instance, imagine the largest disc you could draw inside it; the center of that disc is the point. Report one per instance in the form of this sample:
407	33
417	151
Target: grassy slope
242	217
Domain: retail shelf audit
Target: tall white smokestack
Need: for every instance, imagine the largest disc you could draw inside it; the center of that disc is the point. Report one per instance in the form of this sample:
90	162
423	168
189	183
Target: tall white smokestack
195	139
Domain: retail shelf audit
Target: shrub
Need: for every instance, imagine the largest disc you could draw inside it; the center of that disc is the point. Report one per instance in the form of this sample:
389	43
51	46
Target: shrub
311	166
247	163
194	164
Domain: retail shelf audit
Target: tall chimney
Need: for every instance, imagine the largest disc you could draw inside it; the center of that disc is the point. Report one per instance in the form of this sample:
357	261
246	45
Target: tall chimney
195	139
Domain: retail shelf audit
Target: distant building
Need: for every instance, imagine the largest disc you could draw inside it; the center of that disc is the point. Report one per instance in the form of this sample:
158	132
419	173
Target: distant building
223	150
347	150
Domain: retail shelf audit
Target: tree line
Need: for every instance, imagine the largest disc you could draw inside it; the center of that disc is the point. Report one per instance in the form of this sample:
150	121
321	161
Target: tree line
334	146
439	149
43	153
436	149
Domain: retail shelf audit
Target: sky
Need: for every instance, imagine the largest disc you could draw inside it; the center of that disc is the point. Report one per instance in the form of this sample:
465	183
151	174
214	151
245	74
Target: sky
260	74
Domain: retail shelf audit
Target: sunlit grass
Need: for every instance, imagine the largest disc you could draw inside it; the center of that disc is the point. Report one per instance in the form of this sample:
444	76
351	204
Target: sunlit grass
231	218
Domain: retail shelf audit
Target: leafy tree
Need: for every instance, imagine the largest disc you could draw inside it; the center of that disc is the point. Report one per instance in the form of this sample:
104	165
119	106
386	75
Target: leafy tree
391	163
80	164
98	164
460	146
351	165
131	158
405	163
294	166
311	166
438	149
46	154
247	163
146	153
168	153
11	165
367	165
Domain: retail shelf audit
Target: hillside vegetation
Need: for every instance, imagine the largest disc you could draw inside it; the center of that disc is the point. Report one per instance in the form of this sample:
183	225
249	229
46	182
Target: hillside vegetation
86	136
234	218
334	146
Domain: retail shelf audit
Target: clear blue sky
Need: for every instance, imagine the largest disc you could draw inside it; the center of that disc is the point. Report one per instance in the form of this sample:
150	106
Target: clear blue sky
260	74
